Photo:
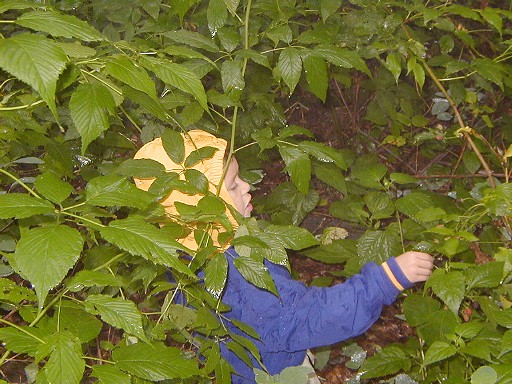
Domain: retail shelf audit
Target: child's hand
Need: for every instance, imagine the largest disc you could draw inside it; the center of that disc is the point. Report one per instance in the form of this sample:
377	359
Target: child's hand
416	266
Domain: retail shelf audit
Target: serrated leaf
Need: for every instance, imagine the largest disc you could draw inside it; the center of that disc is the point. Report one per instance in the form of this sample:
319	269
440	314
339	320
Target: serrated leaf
23	339
174	145
449	287
197	179
418	309
140	238
53	187
493	17
14	293
379	204
499	200
45	254
368	173
76	321
198	155
180	77
90	107
316	75
394	64
439	351
113	190
193	39
35	60
86	278
21	205
217	15
289	66
126	71
332	175
141	168
291	236
65	364
323	152
231	75
342	57
118	312
387	362
488	275
18	4
255	273
215	274
378	246
154	362
110	374
59	25
298	165
490	70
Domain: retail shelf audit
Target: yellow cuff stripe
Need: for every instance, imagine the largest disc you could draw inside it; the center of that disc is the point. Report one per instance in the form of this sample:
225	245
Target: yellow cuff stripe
392	277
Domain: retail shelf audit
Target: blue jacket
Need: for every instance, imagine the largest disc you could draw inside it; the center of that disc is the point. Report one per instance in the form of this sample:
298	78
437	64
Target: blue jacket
305	317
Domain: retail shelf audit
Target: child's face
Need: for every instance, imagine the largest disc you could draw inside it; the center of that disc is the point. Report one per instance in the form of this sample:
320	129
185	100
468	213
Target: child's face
238	189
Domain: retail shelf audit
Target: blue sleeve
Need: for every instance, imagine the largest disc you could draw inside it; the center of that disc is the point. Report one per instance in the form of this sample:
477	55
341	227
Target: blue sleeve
306	317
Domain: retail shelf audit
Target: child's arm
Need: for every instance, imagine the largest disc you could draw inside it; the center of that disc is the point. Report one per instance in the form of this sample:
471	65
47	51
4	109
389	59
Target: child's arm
416	266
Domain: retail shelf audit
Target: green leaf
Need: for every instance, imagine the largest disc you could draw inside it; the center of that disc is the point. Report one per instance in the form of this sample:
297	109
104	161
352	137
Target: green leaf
295	375
316	75
378	246
18	4
292	237
193	39
110	374
387	362
493	17
490	70
198	155
140	238
197	179
342	57
402	178
125	70
65	364
418	309
255	273
488	275
14	293
21	205
484	375
439	351
298	165
53	187
367	172
215	274
174	145
154	362
499	200
118	312
90	106
59	25
78	322
113	190
217	14
448	286
141	168
178	76
35	60
328	8
394	64
86	278
289	66
231	75
379	204
331	175
45	254
323	153
23	339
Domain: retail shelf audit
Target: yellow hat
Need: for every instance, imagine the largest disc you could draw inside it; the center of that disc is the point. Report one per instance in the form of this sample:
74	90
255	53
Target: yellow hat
212	168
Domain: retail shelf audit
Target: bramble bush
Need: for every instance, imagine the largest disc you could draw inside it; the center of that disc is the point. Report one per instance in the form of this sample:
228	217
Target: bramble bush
84	288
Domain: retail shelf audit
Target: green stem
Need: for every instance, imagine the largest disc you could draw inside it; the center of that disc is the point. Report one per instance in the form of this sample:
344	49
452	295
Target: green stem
20	183
22	330
18	107
105	265
104	82
130	118
83	219
72	207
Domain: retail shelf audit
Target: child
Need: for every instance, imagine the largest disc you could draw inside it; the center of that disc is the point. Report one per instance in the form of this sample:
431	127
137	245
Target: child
301	317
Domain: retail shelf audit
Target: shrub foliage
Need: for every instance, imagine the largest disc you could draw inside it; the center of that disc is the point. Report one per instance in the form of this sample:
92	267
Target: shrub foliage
85	286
